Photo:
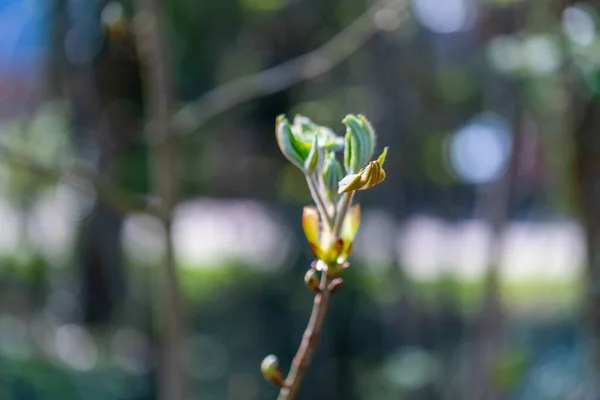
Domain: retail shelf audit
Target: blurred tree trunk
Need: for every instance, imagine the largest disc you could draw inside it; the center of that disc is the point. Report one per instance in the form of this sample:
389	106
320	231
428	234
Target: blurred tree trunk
586	172
587	183
117	133
155	53
104	94
490	325
493	205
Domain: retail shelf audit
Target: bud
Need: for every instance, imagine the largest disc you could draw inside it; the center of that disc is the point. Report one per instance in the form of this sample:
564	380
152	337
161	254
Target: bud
349	231
311	278
328	140
292	146
366	178
359	143
335	270
332	175
310	224
333	251
270	370
335	285
310	165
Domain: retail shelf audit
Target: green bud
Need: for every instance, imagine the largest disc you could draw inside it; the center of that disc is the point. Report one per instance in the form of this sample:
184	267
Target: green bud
359	143
292	146
311	278
328	140
332	175
270	370
310	164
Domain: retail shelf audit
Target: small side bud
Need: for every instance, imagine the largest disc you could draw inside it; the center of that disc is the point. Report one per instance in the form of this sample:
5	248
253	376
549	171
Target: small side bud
335	285
311	278
270	370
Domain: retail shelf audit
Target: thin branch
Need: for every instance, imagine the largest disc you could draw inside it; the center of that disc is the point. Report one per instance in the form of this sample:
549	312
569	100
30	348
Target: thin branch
321	205
310	339
343	207
81	178
287	74
309	343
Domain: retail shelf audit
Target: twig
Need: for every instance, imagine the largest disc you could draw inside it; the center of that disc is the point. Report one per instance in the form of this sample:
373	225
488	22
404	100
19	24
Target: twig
79	176
309	343
345	202
321	205
287	74
310	339
156	57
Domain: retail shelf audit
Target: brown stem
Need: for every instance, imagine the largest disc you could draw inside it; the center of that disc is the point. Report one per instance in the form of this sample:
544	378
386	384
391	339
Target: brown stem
310	339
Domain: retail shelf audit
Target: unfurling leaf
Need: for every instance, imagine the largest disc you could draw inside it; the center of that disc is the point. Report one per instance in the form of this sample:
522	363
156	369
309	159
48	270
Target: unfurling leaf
327	139
303	142
368	177
359	143
293	147
332	175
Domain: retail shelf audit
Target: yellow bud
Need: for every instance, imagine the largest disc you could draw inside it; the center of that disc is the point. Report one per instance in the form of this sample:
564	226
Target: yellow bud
310	224
349	231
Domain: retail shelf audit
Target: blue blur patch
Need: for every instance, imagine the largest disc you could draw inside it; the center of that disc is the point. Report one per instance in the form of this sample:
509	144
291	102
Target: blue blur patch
23	33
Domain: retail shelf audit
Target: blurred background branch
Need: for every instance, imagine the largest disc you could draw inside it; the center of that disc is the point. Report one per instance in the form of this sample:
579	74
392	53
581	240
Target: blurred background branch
306	67
81	178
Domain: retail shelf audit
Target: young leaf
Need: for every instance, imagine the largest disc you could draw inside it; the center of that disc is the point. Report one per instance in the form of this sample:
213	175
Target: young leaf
332	174
360	142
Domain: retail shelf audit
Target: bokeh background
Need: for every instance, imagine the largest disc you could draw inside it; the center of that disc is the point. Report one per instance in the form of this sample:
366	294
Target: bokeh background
476	272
